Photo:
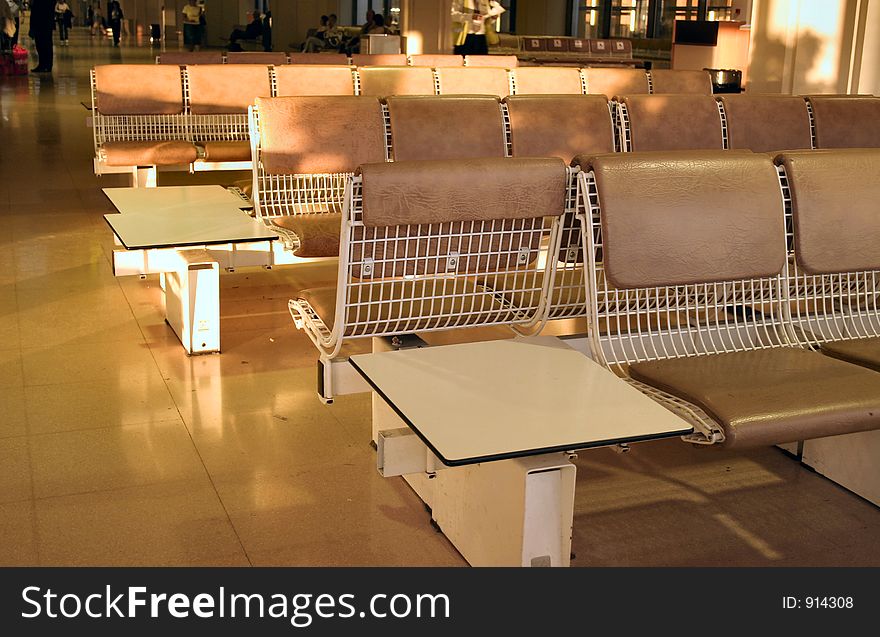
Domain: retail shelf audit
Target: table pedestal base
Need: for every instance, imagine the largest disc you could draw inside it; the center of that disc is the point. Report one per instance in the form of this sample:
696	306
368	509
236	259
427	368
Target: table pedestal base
192	301
851	460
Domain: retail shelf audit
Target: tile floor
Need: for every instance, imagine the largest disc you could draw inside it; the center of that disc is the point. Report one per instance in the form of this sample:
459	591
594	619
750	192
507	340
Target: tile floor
118	449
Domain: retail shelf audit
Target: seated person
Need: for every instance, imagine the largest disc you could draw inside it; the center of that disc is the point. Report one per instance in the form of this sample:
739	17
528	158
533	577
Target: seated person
378	27
316	42
252	31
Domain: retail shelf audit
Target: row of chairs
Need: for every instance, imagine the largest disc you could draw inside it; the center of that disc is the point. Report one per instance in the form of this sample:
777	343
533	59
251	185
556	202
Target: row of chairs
722	284
189	58
195	117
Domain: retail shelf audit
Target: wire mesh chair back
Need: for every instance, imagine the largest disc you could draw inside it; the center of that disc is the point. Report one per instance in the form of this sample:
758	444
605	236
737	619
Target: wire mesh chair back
653	322
834	212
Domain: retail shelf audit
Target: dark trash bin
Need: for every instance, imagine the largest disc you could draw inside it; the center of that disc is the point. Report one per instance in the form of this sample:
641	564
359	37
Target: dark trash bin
155	32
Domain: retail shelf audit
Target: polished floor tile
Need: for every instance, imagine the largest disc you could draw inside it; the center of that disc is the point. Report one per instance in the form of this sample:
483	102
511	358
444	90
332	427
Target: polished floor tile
13	419
117	360
18	537
15	470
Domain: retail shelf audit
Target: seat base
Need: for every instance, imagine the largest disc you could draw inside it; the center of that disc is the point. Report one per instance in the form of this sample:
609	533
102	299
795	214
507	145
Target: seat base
861	351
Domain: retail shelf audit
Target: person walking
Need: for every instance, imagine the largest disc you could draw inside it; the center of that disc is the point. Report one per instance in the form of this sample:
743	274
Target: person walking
116	17
471	21
42	25
64	18
192	25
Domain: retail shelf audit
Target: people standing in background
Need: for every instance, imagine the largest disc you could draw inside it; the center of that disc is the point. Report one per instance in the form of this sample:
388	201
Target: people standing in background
90	15
99	24
64	19
42	25
192	25
471	19
116	17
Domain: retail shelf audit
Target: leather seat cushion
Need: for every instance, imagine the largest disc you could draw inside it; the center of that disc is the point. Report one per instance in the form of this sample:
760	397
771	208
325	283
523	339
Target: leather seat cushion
861	351
166	153
772	396
318	233
227	151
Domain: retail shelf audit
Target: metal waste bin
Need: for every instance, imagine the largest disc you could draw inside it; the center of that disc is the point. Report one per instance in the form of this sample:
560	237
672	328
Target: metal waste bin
155	33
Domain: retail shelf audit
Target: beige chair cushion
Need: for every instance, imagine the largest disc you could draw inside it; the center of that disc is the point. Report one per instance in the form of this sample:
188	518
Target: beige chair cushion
682	218
673	122
424	192
474	81
535	128
681	82
227	151
169	153
224	88
256	57
767	123
611	82
846	122
447	127
315	134
861	351
318	234
835	195
773	396
547	80
382	81
142	89
318	79
419	298
503	61
437	61
319	58
378	59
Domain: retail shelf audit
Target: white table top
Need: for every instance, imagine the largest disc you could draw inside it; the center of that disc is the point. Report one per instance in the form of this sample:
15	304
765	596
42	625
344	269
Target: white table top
180	216
494	400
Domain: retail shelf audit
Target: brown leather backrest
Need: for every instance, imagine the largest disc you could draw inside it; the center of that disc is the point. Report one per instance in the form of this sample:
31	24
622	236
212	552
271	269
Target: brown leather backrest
378	59
327	134
502	61
611	82
474	81
415	192
537	130
673	122
313	79
256	57
547	80
129	89
184	58
319	58
436	61
690	82
381	81
224	88
684	218
835	198
846	122
767	123
446	127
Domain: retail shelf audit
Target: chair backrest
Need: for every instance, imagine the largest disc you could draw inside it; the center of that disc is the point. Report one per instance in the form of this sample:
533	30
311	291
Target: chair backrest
142	89
224	88
378	59
669	122
474	81
611	82
836	272
446	127
335	59
547	80
767	123
256	57
185	58
309	79
305	146
681	242
561	126
436	61
407	264
381	81
502	61
846	122
678	82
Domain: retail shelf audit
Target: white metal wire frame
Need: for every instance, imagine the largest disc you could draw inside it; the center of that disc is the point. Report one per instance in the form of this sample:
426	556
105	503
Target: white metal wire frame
621	124
829	307
725	143
419	278
656	323
132	128
285	195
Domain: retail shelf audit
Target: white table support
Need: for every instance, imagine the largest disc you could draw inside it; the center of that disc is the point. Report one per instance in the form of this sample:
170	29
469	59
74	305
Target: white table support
851	460
485	433
192	301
